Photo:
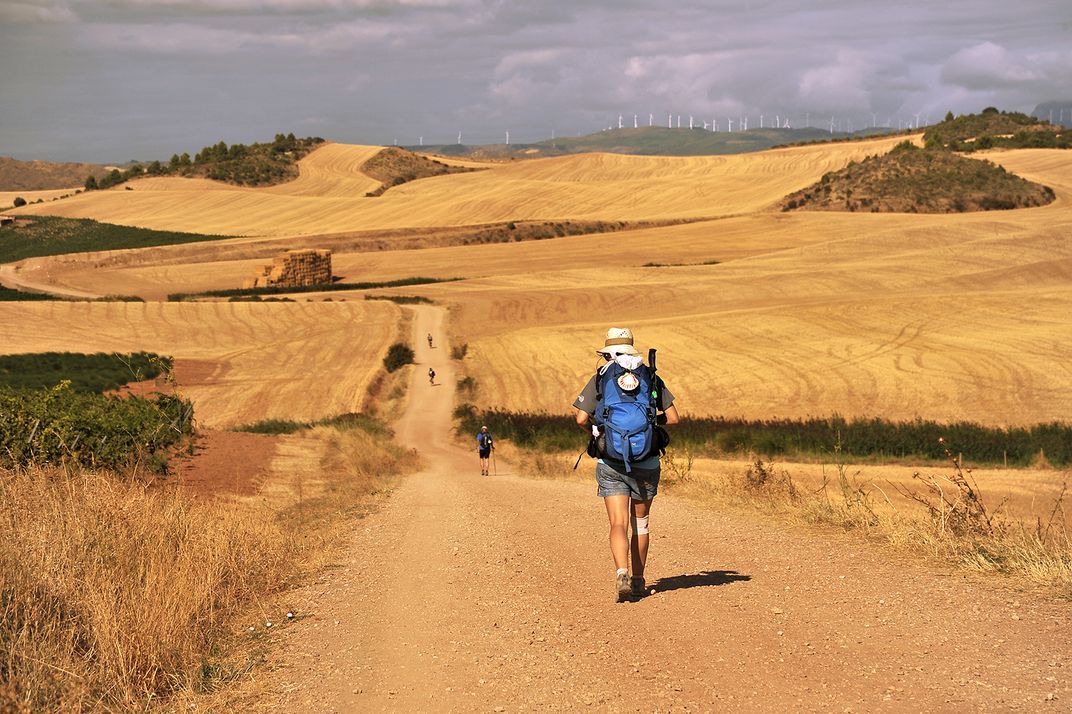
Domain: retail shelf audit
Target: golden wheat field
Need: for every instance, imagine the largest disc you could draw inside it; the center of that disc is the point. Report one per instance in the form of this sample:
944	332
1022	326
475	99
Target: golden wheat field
329	195
238	362
756	313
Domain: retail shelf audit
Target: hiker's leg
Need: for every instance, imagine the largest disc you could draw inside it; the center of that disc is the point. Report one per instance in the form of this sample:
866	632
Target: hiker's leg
639	541
618	515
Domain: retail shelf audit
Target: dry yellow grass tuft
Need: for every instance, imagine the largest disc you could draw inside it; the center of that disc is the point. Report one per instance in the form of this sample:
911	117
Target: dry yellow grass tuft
114	595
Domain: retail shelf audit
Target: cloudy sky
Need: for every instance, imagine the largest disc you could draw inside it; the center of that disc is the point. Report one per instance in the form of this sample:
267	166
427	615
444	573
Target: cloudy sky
112	80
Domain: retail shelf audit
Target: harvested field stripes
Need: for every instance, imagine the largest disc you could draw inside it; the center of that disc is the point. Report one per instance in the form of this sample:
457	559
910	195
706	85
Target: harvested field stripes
247	361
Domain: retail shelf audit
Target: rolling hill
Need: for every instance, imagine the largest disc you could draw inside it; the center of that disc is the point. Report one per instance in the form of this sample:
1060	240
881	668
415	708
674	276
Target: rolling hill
757	313
24	176
651	141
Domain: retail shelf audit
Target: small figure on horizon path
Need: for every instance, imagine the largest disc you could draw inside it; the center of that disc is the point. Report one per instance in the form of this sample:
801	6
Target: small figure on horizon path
429	340
484	445
622	401
431	376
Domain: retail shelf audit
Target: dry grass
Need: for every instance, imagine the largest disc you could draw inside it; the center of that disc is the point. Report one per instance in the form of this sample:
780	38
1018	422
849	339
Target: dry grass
114	595
942	514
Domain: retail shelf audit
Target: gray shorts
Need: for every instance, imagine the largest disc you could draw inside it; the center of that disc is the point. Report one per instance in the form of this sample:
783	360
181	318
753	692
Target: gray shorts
640	484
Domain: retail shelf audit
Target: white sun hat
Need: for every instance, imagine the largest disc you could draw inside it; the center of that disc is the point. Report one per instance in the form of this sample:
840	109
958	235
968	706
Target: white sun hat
619	341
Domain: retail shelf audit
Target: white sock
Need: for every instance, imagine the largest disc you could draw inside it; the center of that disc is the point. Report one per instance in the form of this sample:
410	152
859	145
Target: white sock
622	571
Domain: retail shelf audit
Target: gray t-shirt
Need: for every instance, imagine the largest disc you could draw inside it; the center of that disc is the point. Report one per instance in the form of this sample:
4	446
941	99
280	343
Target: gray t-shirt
586	401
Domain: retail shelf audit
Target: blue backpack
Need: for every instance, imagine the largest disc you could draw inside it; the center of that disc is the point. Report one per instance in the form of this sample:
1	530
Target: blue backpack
625	412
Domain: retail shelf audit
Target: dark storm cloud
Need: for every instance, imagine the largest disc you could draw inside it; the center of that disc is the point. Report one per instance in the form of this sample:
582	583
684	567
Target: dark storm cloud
111	79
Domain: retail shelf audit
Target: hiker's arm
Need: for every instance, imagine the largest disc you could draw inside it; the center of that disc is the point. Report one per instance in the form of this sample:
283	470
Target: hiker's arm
582	417
671	415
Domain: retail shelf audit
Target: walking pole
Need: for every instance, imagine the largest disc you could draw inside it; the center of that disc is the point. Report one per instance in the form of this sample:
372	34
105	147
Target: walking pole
494	461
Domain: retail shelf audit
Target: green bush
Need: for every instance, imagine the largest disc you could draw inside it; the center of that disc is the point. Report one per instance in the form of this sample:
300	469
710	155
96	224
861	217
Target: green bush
61	425
398	356
19	202
364	422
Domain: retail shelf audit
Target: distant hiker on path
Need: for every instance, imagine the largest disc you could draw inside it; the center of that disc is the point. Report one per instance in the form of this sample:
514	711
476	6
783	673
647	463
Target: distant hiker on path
484	445
429	340
431	376
622	402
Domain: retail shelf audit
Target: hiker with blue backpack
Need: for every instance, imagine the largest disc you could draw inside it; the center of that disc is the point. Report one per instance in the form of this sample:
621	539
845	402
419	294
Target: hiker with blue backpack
484	446
625	404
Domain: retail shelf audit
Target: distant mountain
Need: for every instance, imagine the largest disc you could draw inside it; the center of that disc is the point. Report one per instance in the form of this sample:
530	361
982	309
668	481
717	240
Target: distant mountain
1055	112
651	141
18	175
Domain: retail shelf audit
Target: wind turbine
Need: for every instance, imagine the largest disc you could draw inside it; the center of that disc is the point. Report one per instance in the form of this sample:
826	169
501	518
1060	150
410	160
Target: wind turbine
745	128
651	119
420	140
459	137
669	121
634	121
729	123
690	121
619	121
678	121
760	121
917	121
508	138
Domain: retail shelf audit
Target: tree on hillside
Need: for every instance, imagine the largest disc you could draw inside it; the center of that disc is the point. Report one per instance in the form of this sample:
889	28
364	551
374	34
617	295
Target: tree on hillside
91	183
19	201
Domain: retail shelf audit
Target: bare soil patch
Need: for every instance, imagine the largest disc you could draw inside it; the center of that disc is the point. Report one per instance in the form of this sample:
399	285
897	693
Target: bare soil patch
225	463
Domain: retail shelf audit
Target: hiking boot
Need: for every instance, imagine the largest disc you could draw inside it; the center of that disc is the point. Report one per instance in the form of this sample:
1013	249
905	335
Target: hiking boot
639	588
624	588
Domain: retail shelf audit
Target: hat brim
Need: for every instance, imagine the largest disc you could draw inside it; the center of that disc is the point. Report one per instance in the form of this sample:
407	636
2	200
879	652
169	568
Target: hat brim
617	350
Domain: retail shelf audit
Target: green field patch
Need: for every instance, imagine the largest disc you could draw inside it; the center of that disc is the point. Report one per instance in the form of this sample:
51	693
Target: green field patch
36	236
97	373
876	440
9	295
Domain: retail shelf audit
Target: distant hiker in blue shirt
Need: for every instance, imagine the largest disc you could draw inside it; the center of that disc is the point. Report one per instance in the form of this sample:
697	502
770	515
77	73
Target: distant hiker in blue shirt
484	445
623	401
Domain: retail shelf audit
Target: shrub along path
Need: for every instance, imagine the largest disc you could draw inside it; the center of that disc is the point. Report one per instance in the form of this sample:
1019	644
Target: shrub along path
478	594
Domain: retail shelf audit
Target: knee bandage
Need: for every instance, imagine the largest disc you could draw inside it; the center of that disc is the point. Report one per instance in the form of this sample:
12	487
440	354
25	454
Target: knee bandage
640	525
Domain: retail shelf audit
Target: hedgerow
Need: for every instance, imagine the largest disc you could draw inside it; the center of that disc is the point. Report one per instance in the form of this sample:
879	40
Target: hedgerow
875	439
61	425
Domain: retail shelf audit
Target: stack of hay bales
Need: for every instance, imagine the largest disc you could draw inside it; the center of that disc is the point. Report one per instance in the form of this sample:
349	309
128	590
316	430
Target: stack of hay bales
293	269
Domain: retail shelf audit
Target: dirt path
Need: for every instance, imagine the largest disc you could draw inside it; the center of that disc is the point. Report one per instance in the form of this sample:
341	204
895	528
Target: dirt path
495	594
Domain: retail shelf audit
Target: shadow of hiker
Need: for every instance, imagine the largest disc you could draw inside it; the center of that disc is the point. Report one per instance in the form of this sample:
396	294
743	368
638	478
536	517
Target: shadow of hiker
708	578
